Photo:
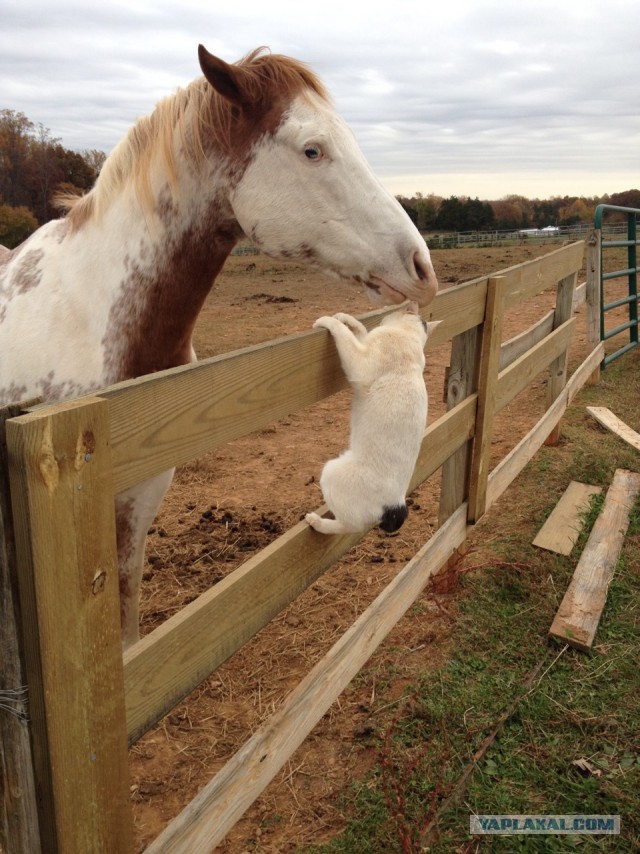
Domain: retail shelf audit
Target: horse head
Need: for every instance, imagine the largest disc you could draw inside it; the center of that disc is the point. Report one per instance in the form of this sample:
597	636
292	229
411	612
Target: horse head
303	189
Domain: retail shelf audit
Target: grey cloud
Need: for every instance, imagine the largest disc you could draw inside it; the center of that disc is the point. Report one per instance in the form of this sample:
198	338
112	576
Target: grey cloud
428	88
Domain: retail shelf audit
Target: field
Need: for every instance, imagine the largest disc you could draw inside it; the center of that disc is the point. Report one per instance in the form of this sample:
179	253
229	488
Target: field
224	507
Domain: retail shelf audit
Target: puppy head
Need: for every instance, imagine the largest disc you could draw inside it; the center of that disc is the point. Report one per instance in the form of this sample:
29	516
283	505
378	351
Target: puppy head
408	319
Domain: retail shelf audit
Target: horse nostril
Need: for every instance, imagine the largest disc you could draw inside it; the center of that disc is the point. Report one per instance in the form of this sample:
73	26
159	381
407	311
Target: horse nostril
420	267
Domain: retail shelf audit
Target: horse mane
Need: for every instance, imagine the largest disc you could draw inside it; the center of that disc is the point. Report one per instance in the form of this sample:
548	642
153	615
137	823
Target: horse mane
202	118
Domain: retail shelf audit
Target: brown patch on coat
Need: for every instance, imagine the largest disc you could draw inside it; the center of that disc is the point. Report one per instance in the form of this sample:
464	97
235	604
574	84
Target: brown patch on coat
28	273
25	276
14	393
48	389
151	322
124	531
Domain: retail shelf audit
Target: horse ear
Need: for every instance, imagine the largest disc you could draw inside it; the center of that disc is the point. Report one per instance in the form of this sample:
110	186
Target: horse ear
226	79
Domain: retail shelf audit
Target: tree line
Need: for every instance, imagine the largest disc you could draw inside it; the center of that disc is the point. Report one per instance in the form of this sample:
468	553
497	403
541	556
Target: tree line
34	167
459	213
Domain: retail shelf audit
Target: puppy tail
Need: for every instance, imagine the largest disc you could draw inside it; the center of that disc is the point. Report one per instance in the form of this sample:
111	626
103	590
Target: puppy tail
393	518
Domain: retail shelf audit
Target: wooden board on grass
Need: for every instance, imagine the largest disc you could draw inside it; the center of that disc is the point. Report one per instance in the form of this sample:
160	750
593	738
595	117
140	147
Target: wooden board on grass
561	530
606	417
579	613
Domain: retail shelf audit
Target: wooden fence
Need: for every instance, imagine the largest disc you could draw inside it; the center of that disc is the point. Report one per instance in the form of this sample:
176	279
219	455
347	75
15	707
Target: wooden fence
65	463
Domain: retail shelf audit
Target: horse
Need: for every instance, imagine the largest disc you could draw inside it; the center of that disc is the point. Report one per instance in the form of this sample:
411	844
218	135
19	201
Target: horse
112	289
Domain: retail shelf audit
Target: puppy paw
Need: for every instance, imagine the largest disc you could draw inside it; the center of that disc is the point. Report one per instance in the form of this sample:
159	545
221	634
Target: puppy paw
358	329
323	322
313	520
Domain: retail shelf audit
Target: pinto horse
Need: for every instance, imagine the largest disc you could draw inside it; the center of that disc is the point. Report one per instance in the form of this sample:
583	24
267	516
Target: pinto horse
113	290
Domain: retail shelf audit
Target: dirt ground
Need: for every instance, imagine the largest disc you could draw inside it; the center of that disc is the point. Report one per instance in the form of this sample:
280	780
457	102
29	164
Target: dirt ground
224	507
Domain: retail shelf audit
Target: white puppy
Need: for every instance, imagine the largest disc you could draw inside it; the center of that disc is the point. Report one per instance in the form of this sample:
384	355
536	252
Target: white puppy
367	484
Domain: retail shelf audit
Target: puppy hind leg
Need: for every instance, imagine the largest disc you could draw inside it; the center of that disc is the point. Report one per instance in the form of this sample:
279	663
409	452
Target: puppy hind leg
326	526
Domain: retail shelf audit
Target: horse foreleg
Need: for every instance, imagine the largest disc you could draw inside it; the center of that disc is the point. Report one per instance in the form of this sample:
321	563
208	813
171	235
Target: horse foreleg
135	511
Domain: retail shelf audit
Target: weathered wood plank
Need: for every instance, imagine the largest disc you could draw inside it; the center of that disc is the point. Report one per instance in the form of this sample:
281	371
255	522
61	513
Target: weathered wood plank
169	662
62	496
607	419
487	387
527	280
578	616
510	467
558	370
206	820
519	344
19	830
524	281
519	374
461	382
511	381
562	529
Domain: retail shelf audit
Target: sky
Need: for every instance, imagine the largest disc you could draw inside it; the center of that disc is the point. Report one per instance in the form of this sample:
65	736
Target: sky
478	98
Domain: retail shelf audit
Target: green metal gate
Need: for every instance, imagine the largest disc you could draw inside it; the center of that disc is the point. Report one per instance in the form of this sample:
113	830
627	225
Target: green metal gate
630	272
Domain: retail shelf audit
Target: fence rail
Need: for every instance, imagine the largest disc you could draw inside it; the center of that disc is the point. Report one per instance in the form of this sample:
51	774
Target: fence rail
68	460
518	237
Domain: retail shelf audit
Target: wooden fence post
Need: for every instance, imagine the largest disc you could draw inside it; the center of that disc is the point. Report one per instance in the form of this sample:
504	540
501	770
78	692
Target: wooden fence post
462	381
558	368
593	295
19	830
487	382
62	496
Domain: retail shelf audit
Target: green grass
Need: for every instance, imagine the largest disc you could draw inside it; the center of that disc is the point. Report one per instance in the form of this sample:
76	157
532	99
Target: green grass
580	707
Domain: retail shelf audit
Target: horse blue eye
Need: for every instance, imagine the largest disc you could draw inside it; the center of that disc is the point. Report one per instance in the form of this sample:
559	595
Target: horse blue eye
312	152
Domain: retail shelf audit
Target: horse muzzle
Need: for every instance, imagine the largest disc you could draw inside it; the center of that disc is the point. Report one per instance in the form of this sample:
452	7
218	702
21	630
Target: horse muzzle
422	290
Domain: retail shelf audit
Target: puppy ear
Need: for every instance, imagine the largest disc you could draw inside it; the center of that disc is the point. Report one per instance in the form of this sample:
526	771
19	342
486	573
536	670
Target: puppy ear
432	325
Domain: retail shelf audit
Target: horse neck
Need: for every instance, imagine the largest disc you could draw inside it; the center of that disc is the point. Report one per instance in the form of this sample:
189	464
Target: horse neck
174	253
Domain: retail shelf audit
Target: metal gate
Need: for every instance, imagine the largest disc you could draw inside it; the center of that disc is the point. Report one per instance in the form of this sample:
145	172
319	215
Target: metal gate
630	272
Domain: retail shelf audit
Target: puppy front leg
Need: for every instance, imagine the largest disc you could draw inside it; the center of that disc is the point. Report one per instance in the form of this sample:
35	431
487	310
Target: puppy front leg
358	329
350	349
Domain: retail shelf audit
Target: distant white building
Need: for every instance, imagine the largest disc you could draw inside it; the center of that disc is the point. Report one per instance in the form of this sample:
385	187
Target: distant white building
548	229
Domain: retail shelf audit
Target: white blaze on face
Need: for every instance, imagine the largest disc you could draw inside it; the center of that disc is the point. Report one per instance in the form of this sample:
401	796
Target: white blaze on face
309	193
